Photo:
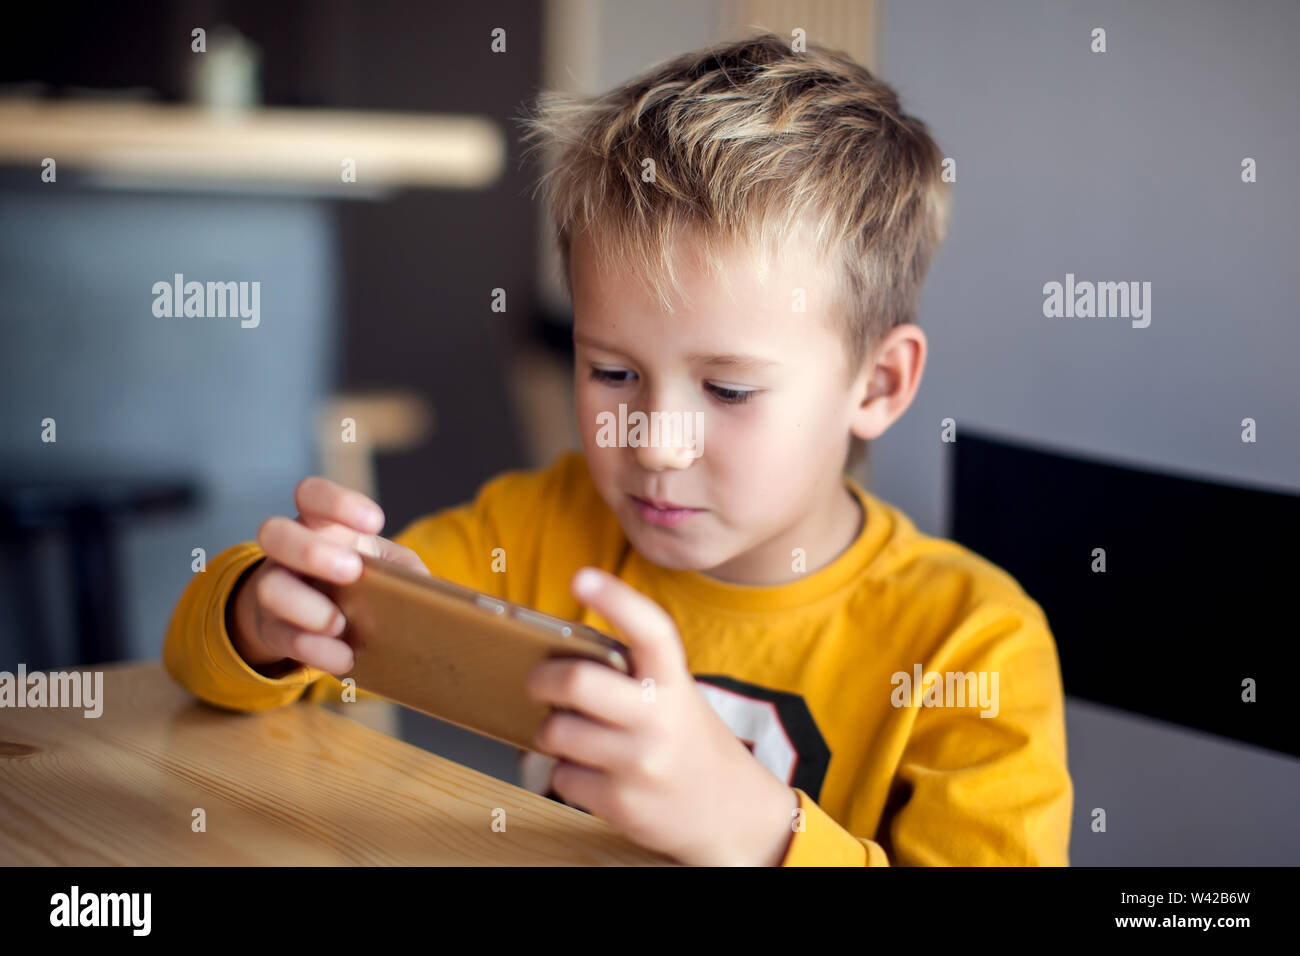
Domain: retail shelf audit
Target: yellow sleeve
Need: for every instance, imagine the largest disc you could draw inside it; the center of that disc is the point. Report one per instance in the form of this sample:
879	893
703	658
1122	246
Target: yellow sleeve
823	842
972	790
197	650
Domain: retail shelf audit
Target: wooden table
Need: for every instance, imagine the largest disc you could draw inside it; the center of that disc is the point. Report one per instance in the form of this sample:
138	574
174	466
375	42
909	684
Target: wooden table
299	785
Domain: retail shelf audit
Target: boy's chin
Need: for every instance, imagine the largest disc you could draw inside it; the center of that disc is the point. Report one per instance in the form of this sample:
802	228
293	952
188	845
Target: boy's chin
673	555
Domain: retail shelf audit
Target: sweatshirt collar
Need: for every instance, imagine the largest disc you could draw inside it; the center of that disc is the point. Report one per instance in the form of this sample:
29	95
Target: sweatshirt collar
878	526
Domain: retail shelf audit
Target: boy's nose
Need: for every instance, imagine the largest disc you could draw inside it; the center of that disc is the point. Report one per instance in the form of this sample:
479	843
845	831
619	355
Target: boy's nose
665	457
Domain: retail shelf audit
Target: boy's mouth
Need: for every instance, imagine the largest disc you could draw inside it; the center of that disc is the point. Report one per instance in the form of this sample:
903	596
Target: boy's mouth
666	514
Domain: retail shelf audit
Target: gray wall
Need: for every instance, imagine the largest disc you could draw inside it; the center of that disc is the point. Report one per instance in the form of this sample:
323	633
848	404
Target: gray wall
1117	166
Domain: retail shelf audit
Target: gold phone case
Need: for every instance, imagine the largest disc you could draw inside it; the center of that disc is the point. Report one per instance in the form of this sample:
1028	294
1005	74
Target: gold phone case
455	653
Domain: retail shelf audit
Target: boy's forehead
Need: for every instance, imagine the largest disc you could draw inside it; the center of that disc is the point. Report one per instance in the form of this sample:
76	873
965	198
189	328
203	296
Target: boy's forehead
792	278
756	324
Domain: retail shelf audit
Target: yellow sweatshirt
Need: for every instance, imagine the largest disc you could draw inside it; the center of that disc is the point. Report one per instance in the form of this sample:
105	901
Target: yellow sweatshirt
909	691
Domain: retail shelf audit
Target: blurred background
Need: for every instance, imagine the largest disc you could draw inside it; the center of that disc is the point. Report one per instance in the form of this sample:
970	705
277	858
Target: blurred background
377	291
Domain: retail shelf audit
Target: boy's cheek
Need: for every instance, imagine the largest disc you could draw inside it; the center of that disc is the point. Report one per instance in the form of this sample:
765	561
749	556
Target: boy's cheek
765	464
746	442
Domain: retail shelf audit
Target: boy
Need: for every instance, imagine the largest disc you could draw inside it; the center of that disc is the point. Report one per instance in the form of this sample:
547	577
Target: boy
745	232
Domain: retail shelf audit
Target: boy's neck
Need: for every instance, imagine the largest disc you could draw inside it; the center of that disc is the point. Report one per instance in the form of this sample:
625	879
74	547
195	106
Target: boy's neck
824	534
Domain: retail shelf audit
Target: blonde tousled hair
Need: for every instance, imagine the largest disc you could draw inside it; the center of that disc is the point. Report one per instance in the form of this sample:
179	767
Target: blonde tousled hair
751	143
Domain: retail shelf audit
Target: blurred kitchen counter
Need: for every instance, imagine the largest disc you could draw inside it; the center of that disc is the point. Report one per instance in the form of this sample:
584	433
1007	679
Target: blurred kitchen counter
161	143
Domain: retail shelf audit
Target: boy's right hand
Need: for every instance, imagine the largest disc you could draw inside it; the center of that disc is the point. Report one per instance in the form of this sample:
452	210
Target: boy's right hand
278	619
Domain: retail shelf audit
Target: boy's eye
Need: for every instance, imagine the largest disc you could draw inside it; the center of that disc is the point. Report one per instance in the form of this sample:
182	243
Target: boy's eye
621	376
732	396
611	376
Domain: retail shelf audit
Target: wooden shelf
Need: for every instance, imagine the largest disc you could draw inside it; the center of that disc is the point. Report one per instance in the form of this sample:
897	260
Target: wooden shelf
292	147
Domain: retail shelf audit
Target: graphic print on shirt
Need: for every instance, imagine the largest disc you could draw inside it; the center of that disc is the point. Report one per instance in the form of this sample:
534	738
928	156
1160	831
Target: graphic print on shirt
777	727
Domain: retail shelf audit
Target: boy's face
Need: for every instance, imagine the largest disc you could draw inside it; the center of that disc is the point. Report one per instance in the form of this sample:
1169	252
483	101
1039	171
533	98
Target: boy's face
768	388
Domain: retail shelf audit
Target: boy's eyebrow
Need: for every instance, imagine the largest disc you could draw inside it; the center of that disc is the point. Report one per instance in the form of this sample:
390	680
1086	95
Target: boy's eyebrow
743	362
747	363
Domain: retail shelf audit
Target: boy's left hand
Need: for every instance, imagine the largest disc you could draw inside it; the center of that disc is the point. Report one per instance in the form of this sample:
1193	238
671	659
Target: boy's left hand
647	753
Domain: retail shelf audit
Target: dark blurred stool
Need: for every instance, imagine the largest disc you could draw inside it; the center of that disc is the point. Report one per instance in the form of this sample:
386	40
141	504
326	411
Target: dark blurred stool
86	508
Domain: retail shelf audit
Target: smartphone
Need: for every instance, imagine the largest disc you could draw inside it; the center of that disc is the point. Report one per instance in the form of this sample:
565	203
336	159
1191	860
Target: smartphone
456	653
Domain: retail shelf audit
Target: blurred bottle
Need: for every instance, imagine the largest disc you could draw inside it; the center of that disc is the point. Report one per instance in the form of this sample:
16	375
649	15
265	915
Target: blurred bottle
227	78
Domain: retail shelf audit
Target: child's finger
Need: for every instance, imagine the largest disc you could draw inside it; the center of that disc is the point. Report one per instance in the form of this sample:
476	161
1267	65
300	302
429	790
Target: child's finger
319	499
286	596
588	688
580	786
641	624
391	552
308	552
588	743
329	654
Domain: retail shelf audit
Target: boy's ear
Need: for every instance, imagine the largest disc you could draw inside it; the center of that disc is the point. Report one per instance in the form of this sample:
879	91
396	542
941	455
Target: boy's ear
888	381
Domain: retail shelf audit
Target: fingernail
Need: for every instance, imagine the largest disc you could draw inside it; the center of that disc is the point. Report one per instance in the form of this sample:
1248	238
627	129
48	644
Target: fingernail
586	582
373	518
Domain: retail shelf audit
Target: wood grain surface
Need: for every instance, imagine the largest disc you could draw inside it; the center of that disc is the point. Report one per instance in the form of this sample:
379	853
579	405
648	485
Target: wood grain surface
298	786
